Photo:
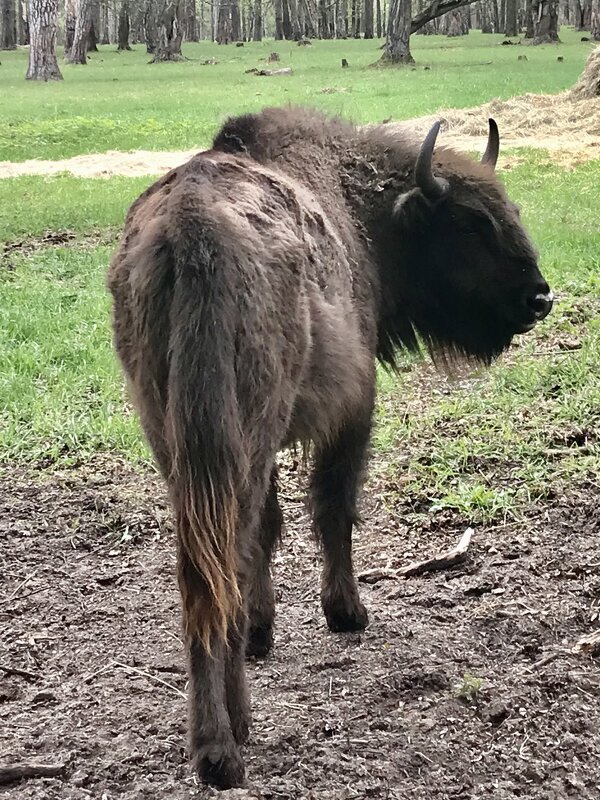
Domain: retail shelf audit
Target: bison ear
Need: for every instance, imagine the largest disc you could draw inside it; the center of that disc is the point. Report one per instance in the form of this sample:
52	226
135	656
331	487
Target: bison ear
412	208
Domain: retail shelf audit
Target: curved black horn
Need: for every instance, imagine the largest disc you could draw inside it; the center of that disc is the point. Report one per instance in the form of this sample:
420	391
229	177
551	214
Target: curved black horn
493	146
432	187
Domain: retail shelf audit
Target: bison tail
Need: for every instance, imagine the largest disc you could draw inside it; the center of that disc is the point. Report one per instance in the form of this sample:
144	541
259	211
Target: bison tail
205	440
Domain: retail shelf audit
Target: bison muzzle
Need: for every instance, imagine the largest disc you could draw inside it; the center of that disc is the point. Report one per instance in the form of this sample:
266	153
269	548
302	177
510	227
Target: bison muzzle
254	290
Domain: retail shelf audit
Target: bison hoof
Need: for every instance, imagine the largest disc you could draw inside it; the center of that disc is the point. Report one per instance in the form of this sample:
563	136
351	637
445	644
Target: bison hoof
221	765
344	616
260	641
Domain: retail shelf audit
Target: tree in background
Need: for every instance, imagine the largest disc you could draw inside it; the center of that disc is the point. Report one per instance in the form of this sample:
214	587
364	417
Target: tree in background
70	22
43	65
595	20
401	25
258	22
169	30
8	25
83	23
545	21
123	31
368	19
510	22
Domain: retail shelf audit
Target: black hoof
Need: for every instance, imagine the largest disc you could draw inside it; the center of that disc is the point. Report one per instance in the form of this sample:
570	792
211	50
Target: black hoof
260	641
344	617
221	766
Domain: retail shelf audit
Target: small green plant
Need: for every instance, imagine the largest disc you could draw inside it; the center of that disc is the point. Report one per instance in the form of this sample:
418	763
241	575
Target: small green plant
468	688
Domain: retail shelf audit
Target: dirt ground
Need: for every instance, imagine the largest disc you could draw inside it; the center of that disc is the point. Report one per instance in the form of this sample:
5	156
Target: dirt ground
464	685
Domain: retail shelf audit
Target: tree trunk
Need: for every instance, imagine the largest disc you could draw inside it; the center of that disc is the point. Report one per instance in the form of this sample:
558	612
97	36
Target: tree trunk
190	27
258	22
545	21
295	33
595	20
495	16
340	13
22	23
510	23
43	65
8	25
92	42
123	33
368	19
378	18
77	54
529	19
310	28
169	28
70	22
279	20
397	45
104	23
151	26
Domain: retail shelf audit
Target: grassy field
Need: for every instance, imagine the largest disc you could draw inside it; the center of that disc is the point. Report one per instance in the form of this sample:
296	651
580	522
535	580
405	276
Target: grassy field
485	448
118	101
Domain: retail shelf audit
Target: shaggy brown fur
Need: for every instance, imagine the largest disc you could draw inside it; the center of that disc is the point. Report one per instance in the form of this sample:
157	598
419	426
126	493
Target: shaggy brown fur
253	289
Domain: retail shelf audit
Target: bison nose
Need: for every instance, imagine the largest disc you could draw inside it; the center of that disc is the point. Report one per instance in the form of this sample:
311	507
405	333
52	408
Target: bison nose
540	304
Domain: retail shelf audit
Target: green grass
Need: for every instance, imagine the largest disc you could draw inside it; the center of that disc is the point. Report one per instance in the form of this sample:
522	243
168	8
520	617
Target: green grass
61	396
118	101
31	205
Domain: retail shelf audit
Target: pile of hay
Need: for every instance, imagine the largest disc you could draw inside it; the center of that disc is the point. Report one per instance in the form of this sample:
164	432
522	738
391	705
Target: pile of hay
588	86
530	116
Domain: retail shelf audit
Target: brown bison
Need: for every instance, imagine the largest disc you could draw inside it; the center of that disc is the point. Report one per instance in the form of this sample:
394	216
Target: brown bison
254	289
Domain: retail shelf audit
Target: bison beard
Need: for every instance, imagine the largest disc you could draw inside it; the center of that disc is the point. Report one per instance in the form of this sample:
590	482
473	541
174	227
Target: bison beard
254	289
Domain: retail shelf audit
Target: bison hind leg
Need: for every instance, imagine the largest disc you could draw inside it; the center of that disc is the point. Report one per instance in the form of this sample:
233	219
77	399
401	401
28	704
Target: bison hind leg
261	595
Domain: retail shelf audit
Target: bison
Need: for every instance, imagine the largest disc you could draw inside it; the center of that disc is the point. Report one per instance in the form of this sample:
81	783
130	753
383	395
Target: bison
254	290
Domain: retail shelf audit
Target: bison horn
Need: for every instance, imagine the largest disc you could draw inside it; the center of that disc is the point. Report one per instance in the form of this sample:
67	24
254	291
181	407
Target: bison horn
493	146
433	188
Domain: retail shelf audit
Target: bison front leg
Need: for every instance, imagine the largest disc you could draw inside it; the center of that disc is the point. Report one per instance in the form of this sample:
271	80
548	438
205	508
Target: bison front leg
261	596
336	481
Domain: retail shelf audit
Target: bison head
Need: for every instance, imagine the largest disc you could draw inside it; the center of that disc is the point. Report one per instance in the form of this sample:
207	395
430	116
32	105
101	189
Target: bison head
471	280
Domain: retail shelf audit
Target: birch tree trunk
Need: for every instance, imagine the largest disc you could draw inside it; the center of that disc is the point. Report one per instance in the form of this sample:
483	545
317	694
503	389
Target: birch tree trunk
43	65
545	21
169	28
77	54
70	22
8	26
595	21
397	45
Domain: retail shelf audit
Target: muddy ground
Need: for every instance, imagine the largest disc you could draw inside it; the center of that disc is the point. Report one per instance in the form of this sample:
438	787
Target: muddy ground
92	667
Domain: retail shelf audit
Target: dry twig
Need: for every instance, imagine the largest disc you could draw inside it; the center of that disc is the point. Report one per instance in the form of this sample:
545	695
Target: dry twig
21	772
451	558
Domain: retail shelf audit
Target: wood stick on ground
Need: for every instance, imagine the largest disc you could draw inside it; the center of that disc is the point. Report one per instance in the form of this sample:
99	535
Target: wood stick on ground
451	558
21	772
150	677
589	644
22	673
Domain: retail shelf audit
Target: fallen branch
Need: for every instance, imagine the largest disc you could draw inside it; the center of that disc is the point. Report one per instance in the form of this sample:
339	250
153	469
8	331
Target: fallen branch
449	559
270	72
150	677
22	772
22	673
589	644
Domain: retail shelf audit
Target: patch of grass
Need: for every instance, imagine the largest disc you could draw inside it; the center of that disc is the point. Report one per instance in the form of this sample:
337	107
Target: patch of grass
119	101
528	428
61	395
32	204
468	688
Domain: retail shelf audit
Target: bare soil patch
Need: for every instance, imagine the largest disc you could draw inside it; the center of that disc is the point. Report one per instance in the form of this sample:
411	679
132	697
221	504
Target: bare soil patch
566	126
92	667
